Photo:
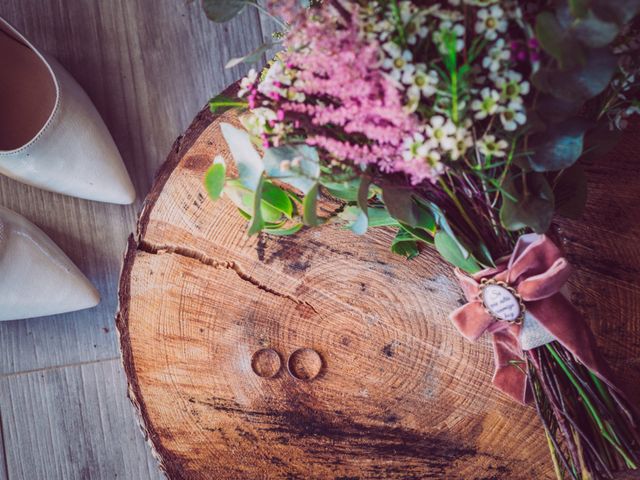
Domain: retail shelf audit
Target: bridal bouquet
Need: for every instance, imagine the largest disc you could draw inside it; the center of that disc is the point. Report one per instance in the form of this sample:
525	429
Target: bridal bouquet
461	124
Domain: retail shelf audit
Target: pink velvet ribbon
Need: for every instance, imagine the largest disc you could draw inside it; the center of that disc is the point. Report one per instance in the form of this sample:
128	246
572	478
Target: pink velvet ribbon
537	271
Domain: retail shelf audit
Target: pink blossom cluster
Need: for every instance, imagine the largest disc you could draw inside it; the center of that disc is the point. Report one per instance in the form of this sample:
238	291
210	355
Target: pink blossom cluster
356	111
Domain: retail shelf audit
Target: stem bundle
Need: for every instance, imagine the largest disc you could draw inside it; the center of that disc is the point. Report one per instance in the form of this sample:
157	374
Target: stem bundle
592	430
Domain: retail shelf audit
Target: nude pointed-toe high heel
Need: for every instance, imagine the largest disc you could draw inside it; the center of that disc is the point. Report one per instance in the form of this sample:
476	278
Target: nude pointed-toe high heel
36	277
51	135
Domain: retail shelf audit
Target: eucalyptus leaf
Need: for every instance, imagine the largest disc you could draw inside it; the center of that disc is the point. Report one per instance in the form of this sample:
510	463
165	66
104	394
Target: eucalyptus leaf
559	147
400	204
533	206
582	82
250	165
361	223
257	222
618	11
363	194
443	223
347	191
552	109
310	207
380	217
425	220
236	192
570	192
253	57
215	178
579	8
450	251
590	30
484	256
221	11
304	176
557	41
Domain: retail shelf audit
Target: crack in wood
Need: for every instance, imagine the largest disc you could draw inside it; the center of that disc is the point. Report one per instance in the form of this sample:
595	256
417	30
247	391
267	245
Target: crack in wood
204	259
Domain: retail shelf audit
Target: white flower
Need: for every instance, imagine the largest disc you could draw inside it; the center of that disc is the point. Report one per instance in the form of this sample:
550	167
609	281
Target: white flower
441	132
490	147
491	21
419	81
463	141
397	61
433	160
487	104
513	115
512	87
247	83
259	121
449	32
414	23
413	100
497	55
415	147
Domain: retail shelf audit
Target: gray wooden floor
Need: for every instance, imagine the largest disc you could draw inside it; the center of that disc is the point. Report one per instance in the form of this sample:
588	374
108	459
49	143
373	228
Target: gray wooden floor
149	66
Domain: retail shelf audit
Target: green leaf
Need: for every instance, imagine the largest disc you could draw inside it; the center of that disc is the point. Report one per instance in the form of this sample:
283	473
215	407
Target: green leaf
253	57
310	207
277	198
533	206
450	251
302	177
404	244
347	191
425	220
400	204
557	41
484	256
380	217
418	234
582	82
283	232
443	223
221	11
257	223
250	165
222	103
559	147
570	192
215	177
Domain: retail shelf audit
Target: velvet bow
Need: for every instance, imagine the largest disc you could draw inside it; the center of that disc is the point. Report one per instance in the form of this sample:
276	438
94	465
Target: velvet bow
536	271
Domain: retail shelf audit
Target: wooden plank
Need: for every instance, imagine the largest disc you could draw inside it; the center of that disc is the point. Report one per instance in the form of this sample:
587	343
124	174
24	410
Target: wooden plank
71	423
4	474
148	74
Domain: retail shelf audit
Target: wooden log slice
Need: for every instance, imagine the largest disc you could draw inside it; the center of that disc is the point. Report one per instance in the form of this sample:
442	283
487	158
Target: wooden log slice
325	356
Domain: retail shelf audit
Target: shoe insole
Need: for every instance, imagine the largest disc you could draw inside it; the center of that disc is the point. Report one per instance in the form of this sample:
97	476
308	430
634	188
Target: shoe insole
27	93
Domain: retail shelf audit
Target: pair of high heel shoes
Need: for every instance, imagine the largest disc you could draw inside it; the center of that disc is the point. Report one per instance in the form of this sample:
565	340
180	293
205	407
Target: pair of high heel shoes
51	137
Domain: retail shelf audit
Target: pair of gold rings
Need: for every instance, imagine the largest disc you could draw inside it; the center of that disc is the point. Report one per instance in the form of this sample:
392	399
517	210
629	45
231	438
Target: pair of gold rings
303	364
